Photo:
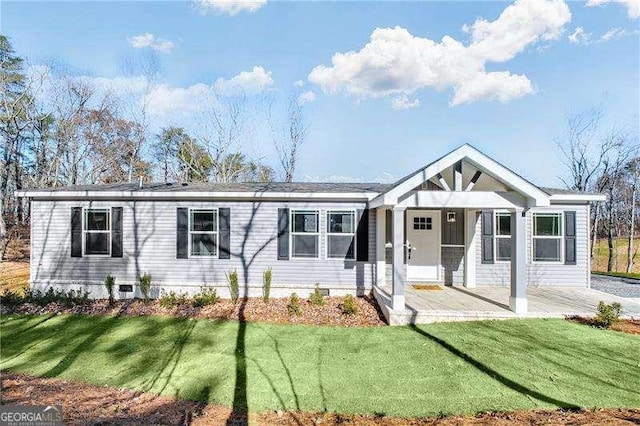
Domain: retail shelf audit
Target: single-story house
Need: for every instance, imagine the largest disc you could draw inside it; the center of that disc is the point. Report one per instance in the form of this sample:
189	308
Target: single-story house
462	220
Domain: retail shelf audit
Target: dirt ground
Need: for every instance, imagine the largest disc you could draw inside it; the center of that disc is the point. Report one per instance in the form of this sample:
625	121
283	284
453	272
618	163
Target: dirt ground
85	404
631	326
252	310
14	276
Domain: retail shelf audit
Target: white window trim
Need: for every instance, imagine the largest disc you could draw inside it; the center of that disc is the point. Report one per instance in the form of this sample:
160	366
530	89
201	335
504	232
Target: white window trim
292	233
85	231
548	237
343	234
496	236
216	232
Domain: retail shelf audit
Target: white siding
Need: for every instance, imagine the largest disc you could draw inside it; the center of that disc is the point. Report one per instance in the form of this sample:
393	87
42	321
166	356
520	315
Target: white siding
149	245
543	274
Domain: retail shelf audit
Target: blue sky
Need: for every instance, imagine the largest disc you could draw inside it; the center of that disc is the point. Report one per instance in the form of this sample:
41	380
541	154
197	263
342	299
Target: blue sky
367	120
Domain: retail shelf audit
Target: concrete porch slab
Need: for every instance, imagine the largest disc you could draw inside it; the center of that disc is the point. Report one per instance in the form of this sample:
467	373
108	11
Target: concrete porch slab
466	304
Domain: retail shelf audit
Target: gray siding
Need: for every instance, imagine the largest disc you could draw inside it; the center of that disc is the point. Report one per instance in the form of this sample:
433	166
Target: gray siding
453	232
149	245
453	265
542	274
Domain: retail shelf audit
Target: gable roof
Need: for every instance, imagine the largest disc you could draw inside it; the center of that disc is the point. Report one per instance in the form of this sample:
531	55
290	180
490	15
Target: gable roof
534	195
205	190
377	193
336	187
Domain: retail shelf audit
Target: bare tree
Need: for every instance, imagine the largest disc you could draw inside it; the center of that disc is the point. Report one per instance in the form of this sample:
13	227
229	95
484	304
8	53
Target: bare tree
288	137
611	180
633	175
592	161
147	65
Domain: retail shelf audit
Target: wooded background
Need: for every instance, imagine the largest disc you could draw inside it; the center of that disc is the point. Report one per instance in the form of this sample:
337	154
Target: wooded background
65	131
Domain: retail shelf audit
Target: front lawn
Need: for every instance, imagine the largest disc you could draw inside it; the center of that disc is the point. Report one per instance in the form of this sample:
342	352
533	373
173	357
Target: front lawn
450	368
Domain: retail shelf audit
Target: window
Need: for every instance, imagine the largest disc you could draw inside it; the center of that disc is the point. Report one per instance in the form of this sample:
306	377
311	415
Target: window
451	217
340	234
304	233
97	232
547	237
503	236
203	232
422	223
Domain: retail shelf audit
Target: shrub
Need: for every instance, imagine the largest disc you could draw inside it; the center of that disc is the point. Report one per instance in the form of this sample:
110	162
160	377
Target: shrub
11	298
234	289
349	306
266	285
171	299
145	286
293	307
67	299
316	297
110	283
207	296
608	314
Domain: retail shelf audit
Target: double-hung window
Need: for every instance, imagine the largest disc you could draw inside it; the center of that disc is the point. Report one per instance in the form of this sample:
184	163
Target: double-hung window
547	237
341	234
97	232
305	233
503	236
203	232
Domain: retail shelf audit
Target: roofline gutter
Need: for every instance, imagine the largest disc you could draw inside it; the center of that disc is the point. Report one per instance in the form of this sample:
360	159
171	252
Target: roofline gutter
198	195
577	197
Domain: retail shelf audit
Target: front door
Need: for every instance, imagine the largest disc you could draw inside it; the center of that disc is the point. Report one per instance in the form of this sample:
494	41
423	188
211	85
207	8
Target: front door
423	245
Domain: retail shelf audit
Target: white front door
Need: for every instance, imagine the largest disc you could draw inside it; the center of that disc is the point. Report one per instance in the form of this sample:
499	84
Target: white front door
423	245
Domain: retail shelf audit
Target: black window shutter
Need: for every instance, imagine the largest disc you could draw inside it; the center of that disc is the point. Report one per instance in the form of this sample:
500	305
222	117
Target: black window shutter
283	234
76	231
224	233
116	232
487	236
182	236
362	236
570	238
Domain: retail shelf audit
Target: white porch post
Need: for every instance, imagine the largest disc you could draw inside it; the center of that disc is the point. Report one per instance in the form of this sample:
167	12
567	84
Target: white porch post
470	242
381	251
397	298
518	296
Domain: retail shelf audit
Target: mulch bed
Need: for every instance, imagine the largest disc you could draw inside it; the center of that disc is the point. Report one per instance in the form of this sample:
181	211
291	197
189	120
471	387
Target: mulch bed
249	310
85	404
631	326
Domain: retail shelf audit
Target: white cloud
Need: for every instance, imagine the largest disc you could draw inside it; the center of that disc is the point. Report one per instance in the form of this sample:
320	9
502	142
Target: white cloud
231	8
394	62
633	6
164	100
254	81
306	97
298	83
331	178
148	40
579	36
385	177
403	102
614	33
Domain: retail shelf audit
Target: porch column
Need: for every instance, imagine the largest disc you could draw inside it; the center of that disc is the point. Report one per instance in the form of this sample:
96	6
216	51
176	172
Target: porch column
381	251
518	296
470	242
397	298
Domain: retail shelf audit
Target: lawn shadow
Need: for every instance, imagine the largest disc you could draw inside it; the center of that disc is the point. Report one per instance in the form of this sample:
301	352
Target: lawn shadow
493	373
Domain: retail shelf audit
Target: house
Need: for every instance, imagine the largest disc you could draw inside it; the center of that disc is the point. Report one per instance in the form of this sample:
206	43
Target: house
462	220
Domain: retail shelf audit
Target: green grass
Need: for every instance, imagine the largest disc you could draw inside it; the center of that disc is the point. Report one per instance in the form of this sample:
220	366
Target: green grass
619	274
453	368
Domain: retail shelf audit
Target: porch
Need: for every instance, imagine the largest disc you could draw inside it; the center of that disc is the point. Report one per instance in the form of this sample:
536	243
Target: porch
457	303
